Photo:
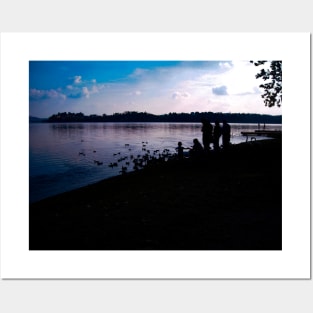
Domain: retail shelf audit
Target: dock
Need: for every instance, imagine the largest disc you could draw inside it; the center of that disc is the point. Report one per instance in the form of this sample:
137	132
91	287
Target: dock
264	133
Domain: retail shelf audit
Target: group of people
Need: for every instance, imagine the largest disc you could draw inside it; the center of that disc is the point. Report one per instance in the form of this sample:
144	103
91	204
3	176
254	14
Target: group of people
210	135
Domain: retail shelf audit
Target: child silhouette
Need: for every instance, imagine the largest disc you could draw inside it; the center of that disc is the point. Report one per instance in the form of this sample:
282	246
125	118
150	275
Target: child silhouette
180	150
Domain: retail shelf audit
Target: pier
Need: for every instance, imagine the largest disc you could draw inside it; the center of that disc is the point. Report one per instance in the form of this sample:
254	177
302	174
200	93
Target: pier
264	133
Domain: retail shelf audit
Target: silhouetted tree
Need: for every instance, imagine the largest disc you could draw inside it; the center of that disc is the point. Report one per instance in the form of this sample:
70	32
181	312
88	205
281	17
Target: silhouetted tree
194	117
273	82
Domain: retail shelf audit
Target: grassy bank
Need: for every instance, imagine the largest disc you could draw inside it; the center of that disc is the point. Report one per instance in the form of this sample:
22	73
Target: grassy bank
228	201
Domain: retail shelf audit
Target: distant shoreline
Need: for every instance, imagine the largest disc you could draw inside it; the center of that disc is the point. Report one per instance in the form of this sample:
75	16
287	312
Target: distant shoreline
194	117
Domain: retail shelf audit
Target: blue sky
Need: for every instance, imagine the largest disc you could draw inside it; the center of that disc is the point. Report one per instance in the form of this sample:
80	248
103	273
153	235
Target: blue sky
158	87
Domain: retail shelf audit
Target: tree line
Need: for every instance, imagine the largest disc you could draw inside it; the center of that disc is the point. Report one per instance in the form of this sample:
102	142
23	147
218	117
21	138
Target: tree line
193	117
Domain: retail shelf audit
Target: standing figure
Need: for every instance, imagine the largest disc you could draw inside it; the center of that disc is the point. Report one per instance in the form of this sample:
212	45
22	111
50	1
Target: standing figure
226	135
207	134
217	132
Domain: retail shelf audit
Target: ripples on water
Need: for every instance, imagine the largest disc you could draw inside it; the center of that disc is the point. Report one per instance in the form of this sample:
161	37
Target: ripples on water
66	156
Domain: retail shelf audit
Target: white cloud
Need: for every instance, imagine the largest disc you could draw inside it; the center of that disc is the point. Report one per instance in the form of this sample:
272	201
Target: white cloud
225	65
134	93
138	72
94	89
77	79
180	95
240	79
85	92
82	88
36	94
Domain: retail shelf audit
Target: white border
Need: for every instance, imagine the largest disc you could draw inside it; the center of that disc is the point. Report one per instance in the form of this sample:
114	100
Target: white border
18	262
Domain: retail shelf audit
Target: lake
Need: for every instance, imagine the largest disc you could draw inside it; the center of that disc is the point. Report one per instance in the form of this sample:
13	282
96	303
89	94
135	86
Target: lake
66	156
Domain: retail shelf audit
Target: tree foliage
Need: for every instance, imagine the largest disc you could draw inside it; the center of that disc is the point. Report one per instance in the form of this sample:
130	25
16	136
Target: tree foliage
193	117
272	85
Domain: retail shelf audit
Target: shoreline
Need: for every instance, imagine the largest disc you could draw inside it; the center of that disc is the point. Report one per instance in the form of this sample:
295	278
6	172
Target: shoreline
33	198
229	201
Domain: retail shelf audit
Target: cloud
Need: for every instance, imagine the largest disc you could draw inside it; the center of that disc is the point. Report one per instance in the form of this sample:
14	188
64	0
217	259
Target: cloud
135	93
85	92
184	87
220	91
94	89
37	94
225	65
79	89
180	95
138	72
74	92
77	79
175	95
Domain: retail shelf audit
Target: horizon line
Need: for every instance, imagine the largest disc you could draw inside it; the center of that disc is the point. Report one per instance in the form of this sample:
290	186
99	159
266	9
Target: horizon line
145	112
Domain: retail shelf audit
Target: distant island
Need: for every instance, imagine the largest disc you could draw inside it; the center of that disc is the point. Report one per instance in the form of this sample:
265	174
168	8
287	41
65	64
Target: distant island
132	116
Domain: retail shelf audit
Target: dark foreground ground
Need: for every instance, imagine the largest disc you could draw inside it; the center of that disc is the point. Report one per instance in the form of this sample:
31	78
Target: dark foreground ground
230	201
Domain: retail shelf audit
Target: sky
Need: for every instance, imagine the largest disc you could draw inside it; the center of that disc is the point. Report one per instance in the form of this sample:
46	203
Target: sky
157	87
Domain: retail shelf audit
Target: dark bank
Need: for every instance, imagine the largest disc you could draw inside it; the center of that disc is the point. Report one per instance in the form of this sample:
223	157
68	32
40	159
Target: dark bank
229	200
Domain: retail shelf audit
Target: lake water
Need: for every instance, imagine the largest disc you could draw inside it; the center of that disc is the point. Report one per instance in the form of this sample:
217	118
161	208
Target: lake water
65	156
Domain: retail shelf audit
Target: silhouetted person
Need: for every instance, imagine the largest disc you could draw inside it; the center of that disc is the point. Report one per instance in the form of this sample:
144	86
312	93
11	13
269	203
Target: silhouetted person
180	150
207	134
226	135
217	132
197	149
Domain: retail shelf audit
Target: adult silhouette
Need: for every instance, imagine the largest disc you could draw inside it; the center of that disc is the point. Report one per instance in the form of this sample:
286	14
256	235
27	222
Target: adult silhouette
207	134
225	135
217	132
197	149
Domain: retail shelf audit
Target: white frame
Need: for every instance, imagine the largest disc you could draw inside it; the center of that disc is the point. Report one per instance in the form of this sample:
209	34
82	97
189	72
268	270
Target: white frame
293	262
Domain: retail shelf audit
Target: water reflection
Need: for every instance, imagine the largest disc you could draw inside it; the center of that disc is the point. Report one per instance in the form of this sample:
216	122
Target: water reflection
66	156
